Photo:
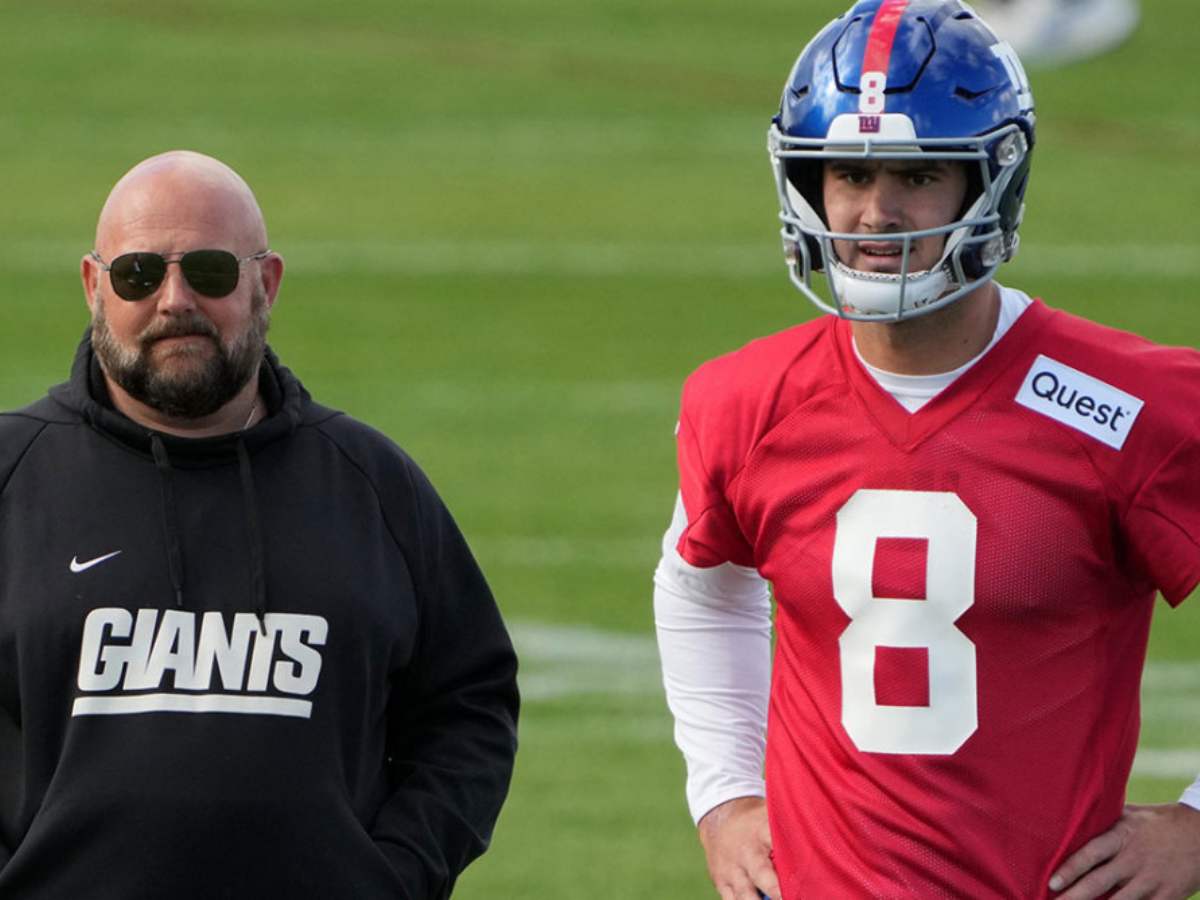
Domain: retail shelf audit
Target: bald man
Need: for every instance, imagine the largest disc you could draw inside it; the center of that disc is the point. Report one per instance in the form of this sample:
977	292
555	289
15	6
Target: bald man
244	649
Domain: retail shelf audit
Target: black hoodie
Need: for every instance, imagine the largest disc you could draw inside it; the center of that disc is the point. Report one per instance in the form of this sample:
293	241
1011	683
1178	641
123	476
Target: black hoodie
252	666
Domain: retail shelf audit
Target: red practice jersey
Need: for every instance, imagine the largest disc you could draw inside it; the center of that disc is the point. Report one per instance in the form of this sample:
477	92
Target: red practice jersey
963	593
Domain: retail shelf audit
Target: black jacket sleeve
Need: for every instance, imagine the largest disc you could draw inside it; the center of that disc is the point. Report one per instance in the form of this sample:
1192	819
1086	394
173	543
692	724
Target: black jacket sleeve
17	432
453	709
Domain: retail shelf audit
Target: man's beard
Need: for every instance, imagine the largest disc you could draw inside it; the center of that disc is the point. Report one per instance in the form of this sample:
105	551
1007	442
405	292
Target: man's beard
203	384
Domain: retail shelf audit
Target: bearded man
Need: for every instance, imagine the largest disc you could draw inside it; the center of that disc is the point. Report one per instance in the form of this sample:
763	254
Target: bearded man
244	649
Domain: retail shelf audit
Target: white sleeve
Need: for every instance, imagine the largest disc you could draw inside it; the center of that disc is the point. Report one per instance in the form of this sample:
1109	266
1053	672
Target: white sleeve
1191	797
714	637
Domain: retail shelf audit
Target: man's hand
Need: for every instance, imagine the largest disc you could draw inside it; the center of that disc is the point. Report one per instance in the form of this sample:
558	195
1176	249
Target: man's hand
1152	851
737	842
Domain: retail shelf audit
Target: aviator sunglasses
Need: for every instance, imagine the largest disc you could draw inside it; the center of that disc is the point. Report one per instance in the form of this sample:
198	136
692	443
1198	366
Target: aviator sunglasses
213	273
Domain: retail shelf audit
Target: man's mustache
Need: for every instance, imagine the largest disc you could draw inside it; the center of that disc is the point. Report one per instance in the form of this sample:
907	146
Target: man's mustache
179	327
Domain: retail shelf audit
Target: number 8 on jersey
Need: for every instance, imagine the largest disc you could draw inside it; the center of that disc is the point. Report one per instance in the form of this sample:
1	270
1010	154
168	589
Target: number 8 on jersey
949	528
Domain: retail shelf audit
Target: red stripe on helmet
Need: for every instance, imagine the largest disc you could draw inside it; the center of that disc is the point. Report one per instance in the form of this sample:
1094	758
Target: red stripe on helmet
883	33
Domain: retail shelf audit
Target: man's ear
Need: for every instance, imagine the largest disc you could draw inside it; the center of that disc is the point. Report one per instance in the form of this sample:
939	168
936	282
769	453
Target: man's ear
271	274
90	273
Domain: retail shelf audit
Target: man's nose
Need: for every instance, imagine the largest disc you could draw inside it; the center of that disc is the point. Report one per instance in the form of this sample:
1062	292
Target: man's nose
883	208
175	295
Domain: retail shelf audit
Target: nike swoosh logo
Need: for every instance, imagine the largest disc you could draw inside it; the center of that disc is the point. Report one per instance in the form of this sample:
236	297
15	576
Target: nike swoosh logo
77	566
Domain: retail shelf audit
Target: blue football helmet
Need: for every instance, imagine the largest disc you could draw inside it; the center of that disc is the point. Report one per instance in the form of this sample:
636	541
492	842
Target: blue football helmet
904	80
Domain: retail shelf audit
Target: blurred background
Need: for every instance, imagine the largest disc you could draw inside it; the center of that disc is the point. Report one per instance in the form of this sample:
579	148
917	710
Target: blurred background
511	231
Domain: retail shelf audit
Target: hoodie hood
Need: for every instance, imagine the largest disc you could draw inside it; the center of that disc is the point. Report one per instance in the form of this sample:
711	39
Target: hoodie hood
86	393
284	397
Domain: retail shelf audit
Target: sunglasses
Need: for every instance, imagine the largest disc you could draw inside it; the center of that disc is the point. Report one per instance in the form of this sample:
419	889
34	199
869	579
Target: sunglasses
213	273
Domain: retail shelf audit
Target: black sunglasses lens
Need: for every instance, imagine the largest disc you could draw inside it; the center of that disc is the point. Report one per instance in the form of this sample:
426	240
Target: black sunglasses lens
136	276
213	273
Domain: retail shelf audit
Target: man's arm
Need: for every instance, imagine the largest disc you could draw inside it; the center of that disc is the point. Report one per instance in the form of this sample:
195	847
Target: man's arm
452	715
18	430
714	636
1154	851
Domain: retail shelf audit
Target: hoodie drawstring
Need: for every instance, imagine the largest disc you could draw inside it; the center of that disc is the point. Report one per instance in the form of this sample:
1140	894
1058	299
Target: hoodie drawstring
258	587
170	519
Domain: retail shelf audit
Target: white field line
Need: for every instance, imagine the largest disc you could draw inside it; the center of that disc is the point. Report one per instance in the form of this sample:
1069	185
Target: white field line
564	661
559	661
1168	707
1173	677
533	256
1151	762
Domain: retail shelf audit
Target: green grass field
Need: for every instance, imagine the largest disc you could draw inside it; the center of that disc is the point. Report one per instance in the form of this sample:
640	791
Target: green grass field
511	230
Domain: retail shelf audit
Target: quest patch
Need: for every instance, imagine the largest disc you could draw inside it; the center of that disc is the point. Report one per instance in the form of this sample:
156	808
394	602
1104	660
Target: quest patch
1080	401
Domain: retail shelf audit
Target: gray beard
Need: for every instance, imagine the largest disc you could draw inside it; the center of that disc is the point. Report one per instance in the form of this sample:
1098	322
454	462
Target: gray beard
198	391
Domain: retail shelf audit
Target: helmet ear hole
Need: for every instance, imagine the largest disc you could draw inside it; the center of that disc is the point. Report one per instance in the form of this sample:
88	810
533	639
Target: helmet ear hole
974	188
1011	202
806	176
972	262
971	257
815	254
803	252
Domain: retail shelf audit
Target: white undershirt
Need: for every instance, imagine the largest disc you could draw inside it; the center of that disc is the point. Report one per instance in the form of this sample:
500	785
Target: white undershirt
714	634
1191	796
914	391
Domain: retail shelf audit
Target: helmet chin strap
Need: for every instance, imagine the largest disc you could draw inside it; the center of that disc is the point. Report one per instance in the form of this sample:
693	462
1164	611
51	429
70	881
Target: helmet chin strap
867	295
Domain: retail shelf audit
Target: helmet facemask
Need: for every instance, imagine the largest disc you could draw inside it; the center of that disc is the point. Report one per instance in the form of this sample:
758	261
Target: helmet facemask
983	236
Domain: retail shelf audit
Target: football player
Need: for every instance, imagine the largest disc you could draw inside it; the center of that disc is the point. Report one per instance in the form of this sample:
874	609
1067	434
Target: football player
964	500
